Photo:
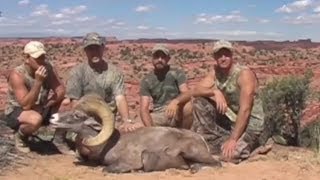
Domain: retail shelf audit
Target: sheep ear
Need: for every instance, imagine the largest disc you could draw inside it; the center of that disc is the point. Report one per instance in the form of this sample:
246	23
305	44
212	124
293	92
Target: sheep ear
93	124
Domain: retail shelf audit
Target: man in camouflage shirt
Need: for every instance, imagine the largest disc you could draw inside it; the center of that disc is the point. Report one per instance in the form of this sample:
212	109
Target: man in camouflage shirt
227	109
100	77
163	85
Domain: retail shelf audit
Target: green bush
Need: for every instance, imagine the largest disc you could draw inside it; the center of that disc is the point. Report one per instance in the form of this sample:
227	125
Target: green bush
310	136
284	100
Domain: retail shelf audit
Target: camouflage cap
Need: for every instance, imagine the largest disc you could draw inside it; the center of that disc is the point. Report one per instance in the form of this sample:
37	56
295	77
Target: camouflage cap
93	38
222	44
161	47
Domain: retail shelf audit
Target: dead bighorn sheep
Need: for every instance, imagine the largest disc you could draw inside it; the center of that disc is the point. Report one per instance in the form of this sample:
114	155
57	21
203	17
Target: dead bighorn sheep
147	149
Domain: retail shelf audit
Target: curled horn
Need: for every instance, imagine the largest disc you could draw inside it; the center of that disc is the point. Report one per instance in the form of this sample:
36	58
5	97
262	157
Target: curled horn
94	105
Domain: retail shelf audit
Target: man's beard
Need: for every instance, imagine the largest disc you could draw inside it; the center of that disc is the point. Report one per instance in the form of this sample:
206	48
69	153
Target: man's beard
160	66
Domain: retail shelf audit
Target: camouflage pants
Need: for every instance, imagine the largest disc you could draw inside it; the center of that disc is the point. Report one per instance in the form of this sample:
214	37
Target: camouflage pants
159	118
216	129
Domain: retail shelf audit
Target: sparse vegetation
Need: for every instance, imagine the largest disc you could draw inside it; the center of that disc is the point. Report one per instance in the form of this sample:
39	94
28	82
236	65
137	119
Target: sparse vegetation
125	52
311	136
284	100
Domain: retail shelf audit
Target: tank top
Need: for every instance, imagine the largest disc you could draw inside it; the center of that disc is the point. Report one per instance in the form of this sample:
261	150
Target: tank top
229	87
29	82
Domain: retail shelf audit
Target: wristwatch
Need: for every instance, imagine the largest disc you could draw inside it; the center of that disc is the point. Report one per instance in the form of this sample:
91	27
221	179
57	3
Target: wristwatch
129	121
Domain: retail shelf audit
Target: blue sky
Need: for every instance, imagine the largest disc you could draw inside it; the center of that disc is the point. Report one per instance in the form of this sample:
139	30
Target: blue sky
131	19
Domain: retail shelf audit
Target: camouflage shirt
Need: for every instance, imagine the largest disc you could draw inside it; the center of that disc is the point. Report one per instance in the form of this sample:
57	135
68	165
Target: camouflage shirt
108	84
29	82
162	91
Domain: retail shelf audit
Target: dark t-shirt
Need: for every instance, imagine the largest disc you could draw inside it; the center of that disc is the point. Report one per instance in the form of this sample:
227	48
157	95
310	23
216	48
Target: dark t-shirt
162	92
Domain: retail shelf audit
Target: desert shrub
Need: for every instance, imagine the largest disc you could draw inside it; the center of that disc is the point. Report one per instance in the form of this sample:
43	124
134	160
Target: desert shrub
125	52
310	136
284	100
172	52
149	53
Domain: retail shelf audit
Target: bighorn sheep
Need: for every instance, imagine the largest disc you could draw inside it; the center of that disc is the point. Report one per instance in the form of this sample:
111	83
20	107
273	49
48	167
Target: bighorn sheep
147	149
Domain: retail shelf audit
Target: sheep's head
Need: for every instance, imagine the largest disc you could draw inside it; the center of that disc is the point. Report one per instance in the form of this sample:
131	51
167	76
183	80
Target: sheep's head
90	109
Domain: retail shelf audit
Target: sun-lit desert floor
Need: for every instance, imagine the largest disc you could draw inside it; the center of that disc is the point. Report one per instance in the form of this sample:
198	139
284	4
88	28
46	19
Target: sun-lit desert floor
281	163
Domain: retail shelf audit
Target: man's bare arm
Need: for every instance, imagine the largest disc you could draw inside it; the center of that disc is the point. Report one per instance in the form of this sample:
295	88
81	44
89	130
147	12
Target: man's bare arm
247	83
204	88
57	86
183	88
122	106
144	111
74	102
24	97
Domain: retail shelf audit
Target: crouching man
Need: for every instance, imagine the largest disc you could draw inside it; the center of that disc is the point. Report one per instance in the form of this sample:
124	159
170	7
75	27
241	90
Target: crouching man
28	102
227	109
164	84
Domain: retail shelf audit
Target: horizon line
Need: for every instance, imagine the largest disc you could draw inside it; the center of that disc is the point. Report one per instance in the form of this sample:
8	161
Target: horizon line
166	39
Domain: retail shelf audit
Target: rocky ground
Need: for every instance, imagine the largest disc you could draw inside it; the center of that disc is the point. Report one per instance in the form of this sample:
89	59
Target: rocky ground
281	163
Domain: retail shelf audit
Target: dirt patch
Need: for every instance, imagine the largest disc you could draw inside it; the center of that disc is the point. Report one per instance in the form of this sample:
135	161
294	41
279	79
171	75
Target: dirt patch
280	163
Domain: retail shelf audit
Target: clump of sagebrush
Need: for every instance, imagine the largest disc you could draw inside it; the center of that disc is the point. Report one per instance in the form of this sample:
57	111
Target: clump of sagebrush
310	136
284	99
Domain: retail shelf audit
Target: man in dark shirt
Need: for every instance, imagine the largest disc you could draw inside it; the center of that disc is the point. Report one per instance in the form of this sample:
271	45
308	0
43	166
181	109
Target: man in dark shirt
163	85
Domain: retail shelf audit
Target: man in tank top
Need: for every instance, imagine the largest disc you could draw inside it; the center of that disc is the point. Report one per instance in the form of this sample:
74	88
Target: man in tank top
227	108
28	102
163	85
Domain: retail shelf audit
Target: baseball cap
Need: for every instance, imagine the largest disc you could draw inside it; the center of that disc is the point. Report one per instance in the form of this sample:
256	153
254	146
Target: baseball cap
222	44
160	47
93	38
34	48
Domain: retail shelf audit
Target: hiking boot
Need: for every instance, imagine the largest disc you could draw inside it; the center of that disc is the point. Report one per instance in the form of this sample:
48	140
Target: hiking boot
20	143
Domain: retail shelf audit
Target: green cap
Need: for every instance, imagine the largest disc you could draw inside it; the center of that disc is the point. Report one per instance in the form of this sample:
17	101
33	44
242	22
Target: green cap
93	38
160	47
